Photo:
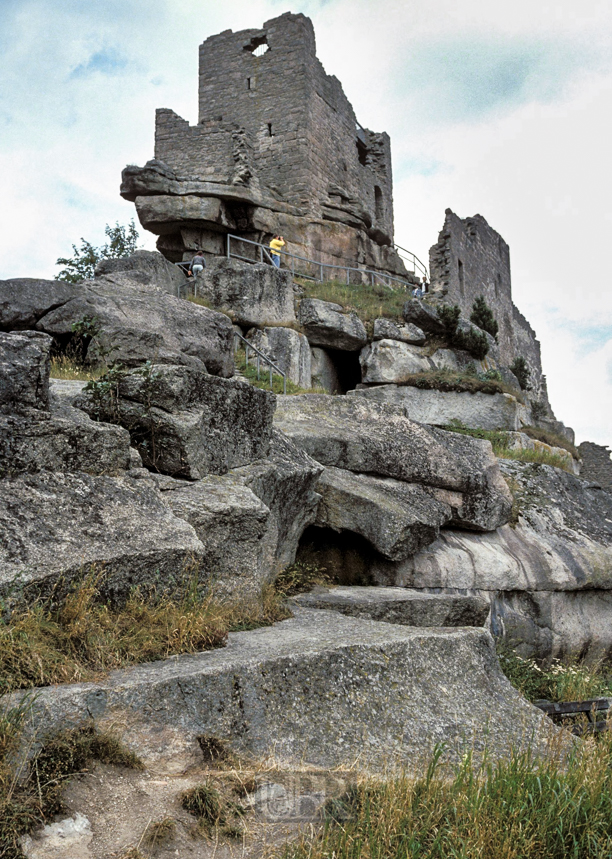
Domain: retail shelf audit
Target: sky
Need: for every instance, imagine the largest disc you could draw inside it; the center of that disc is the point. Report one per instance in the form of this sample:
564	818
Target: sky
493	107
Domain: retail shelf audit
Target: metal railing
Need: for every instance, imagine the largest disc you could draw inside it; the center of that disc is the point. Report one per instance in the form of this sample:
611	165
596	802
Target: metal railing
259	357
311	269
413	260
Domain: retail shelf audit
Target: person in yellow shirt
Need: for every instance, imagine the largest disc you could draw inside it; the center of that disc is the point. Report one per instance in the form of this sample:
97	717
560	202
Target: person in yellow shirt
276	244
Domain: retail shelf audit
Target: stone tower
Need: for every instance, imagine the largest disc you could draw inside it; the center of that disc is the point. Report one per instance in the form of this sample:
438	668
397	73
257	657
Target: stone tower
277	148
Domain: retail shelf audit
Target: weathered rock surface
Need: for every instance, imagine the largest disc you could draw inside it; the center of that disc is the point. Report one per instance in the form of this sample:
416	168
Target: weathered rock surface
58	527
390	361
325	324
230	521
479	410
257	294
397	518
137	321
319	688
387	329
186	423
250	521
59	441
400	605
152	268
323	371
24	370
549	578
286	482
289	350
353	434
39	432
423	316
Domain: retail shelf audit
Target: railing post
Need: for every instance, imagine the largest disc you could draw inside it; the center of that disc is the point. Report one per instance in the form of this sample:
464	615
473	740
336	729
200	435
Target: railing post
348	277
285	384
228	245
321	273
271	385
258	365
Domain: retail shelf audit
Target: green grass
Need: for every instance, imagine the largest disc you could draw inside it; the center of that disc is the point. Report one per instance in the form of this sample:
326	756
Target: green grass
556	681
551	438
369	302
82	637
460	381
67	368
263	382
518	808
499	443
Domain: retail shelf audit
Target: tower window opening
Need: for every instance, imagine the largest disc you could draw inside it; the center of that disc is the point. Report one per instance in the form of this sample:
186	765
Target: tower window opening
378	203
249	80
270	130
461	276
258	46
362	152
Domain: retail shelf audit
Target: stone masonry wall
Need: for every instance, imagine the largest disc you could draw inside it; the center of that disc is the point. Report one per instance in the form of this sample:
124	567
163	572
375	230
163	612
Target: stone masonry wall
597	465
471	259
305	147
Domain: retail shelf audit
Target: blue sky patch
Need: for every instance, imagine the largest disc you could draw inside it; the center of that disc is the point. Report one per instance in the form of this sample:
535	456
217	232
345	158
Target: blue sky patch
108	61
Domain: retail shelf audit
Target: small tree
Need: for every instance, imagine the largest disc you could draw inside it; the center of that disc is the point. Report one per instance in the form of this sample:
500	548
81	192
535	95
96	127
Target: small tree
522	373
122	242
482	316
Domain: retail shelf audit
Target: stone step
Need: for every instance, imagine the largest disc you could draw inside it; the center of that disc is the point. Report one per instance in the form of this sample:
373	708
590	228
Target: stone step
319	688
400	605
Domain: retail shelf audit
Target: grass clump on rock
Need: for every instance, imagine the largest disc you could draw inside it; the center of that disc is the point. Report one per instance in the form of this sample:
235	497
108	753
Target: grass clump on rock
499	441
81	636
458	381
556	680
522	807
368	302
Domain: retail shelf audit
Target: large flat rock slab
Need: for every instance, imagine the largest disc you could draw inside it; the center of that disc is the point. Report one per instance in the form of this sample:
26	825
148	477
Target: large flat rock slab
400	605
484	411
320	688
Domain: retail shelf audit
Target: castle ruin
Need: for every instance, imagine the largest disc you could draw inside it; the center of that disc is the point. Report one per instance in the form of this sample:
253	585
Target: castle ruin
277	149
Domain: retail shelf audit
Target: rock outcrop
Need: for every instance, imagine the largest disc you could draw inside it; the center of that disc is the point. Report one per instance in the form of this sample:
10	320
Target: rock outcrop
477	410
133	321
288	349
399	605
326	324
186	423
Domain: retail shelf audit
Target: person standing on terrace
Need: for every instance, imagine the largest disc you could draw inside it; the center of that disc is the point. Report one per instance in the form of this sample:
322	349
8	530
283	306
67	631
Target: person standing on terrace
276	244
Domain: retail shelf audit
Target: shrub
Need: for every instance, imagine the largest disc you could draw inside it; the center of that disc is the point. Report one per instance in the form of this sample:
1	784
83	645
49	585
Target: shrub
521	370
449	316
482	316
123	241
471	341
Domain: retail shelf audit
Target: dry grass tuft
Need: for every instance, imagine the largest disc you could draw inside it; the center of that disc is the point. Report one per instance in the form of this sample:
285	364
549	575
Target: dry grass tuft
42	644
63	367
160	832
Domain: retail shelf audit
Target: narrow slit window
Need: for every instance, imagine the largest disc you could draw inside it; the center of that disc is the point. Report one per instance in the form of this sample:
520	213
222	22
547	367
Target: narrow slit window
249	83
460	272
270	130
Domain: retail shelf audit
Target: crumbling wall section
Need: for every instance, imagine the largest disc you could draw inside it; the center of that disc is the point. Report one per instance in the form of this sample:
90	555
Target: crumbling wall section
597	465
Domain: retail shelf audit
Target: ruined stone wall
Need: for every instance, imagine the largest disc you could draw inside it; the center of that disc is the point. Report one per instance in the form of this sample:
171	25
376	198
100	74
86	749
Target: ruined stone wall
180	146
597	465
307	149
